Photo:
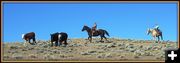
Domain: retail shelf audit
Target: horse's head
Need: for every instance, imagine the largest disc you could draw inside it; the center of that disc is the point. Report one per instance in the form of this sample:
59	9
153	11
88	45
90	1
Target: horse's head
22	36
85	28
148	31
52	35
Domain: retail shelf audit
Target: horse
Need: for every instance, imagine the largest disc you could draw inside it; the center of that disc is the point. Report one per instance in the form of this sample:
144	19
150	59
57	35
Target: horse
155	33
28	37
99	32
59	37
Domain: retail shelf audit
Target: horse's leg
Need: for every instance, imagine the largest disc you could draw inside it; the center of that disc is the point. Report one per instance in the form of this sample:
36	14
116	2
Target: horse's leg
158	39
60	43
105	38
101	39
161	37
34	40
56	43
90	39
154	39
51	44
25	43
65	42
30	41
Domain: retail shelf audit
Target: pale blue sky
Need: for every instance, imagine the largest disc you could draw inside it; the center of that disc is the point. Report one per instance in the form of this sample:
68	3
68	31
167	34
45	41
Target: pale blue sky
123	20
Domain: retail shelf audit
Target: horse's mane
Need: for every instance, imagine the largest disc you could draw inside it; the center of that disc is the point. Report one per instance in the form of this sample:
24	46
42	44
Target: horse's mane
87	27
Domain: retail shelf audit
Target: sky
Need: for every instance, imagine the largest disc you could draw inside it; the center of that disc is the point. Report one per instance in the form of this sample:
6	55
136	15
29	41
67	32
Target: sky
121	20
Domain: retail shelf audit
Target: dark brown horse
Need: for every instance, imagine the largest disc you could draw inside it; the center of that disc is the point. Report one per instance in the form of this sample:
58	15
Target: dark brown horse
28	37
59	37
99	32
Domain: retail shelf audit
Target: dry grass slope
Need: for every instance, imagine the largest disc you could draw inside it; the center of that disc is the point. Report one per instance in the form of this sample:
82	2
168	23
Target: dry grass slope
82	50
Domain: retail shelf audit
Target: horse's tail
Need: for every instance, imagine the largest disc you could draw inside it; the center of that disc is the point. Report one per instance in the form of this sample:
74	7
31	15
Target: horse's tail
106	33
160	32
161	36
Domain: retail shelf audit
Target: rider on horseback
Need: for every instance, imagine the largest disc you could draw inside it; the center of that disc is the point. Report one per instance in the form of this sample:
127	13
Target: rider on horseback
157	27
94	28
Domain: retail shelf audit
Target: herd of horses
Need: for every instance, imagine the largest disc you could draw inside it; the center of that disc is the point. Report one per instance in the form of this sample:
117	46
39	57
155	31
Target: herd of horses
62	37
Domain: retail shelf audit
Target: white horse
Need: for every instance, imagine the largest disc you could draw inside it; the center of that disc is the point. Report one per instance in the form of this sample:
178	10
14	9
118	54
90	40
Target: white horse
155	33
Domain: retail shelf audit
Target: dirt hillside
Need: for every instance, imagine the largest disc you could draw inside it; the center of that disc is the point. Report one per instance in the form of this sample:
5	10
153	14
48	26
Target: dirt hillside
82	50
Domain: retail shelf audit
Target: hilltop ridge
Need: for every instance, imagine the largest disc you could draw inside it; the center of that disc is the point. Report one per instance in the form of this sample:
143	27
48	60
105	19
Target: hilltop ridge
80	49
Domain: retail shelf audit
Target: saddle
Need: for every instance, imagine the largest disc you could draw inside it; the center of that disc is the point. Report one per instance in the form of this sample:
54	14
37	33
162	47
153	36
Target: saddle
95	32
157	30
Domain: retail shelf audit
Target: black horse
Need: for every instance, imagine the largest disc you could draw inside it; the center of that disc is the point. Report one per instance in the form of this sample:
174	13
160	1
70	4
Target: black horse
99	32
59	37
28	37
